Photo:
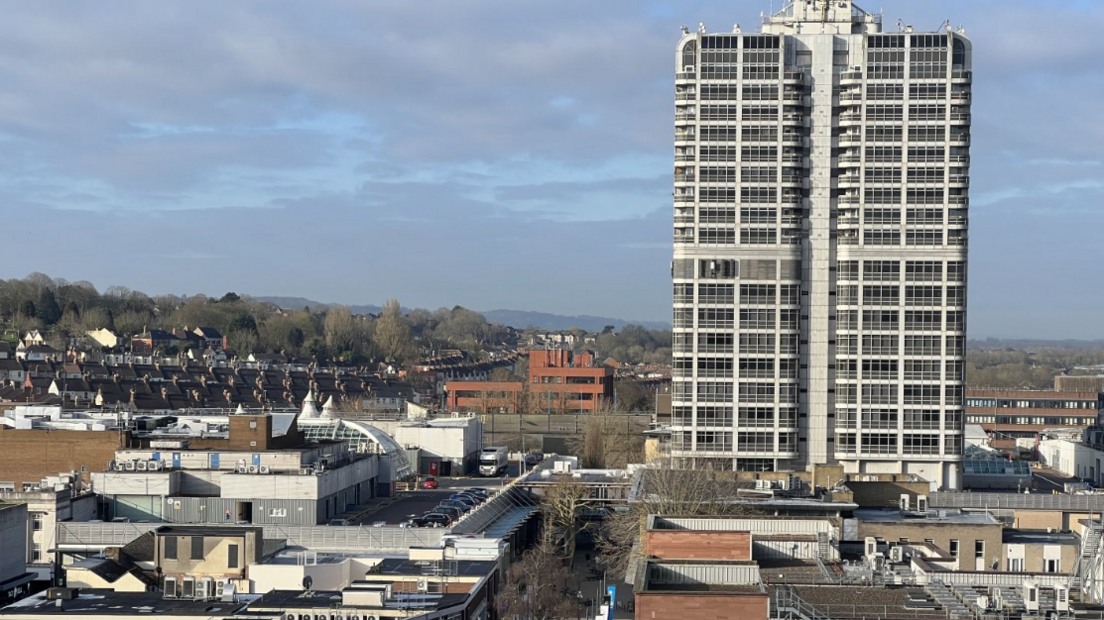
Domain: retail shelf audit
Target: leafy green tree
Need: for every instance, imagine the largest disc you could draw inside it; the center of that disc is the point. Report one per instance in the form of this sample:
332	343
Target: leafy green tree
229	298
47	310
28	309
243	322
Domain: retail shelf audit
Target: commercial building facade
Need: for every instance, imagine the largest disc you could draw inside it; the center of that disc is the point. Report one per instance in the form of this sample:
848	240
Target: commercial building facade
1023	413
559	381
821	193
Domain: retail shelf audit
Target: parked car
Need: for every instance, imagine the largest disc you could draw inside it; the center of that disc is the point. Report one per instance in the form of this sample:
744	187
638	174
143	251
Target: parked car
453	511
435	519
474	494
339	522
467	500
429	483
534	458
479	490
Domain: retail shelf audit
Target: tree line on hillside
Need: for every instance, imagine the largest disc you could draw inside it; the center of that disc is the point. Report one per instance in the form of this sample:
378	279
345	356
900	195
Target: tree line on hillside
1027	368
64	309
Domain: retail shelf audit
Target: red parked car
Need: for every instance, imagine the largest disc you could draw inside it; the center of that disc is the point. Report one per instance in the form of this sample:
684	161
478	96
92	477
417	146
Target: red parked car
429	483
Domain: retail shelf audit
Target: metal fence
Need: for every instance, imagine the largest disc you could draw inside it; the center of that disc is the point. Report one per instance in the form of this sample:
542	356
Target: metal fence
660	574
354	538
1020	501
313	537
100	534
986	579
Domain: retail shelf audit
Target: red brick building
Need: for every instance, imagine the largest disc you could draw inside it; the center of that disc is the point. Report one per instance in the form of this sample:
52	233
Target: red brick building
699	574
558	381
28	456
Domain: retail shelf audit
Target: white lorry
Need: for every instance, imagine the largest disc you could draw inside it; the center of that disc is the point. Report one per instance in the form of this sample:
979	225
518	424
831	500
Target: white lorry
492	461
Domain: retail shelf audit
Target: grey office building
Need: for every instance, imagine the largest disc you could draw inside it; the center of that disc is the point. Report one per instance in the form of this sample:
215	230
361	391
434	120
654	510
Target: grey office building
820	234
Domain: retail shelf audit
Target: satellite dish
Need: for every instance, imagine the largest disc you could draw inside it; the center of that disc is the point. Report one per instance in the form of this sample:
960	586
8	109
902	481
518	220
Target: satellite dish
307	582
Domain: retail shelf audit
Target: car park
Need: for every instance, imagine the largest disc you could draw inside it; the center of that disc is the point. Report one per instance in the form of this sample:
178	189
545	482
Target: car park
467	500
457	504
435	519
451	511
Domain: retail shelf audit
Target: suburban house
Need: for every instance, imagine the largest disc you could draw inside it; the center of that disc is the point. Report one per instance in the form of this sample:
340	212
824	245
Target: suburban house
211	337
154	339
105	338
37	353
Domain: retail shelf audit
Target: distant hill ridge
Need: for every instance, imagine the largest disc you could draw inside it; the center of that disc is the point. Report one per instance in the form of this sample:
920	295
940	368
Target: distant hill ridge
519	319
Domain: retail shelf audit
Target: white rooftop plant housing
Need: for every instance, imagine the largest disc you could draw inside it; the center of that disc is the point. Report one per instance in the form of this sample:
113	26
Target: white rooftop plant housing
310	407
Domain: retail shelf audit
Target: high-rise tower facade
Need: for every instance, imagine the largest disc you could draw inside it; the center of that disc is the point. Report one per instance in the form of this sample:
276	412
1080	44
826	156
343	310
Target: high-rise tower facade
821	183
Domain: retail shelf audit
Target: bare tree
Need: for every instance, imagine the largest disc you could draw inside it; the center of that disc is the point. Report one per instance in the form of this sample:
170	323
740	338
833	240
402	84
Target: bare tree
21	323
129	323
393	331
339	329
666	490
561	505
608	440
539	586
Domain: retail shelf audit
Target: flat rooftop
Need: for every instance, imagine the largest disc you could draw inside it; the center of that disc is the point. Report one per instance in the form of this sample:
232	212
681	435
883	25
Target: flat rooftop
281	600
121	604
459	568
293	556
199	530
873	515
1039	537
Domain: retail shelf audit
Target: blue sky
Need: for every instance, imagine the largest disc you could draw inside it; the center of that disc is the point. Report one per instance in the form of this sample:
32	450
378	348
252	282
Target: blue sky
489	153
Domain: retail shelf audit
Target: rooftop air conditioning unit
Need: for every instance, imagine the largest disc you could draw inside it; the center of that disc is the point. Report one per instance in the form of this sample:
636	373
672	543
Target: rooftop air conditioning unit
896	555
170	587
204	589
129	465
1061	598
921	503
253	469
154	465
1031	595
188	587
306	471
264	469
241	468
